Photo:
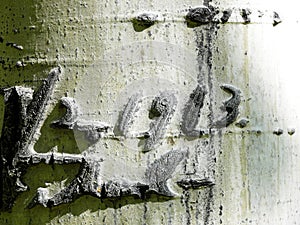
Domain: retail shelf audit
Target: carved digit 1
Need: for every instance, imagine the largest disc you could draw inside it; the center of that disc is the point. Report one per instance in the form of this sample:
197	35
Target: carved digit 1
126	118
231	106
162	109
191	113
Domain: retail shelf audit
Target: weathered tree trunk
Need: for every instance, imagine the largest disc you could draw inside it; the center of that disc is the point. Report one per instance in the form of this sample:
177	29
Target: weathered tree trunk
117	112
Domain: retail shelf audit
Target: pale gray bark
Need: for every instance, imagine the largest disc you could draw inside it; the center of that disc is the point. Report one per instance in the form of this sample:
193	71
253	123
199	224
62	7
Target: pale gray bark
158	112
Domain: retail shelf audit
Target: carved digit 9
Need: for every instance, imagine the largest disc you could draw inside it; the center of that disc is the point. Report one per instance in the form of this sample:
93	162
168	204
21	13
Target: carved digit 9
162	109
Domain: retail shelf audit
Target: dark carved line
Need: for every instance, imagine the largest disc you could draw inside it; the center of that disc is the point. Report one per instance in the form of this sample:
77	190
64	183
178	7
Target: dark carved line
162	169
191	113
162	109
35	110
87	182
231	107
68	194
23	113
194	183
51	158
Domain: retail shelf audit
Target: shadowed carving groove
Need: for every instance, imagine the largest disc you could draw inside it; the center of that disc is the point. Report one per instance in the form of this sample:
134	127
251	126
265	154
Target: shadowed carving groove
24	111
126	117
162	169
191	113
88	181
231	106
162	109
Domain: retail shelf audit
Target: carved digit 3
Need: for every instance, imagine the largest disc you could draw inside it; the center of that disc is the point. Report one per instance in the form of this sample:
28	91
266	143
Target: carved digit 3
231	107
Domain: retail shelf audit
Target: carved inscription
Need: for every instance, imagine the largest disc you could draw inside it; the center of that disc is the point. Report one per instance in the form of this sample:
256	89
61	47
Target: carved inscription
24	111
161	111
191	113
231	106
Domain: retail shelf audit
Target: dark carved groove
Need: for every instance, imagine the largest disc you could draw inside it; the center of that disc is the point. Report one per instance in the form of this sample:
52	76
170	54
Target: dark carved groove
191	113
23	113
162	109
162	169
87	182
194	183
231	106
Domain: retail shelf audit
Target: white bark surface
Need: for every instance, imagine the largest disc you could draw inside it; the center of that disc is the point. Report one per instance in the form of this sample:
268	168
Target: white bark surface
255	170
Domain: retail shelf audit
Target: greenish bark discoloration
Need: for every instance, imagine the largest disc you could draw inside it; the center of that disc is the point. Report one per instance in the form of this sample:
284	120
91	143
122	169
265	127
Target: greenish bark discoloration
220	171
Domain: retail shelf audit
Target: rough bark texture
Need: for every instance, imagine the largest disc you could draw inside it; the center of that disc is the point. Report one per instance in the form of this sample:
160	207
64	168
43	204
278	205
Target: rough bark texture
118	112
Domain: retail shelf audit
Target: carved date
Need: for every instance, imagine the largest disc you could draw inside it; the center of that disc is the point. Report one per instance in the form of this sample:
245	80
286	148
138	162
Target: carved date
24	111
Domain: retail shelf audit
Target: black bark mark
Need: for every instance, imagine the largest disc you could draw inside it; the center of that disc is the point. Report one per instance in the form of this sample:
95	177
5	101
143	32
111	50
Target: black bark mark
23	113
231	107
162	109
191	113
162	169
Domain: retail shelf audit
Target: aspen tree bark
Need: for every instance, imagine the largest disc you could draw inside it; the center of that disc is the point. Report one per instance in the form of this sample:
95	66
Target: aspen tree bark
154	112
